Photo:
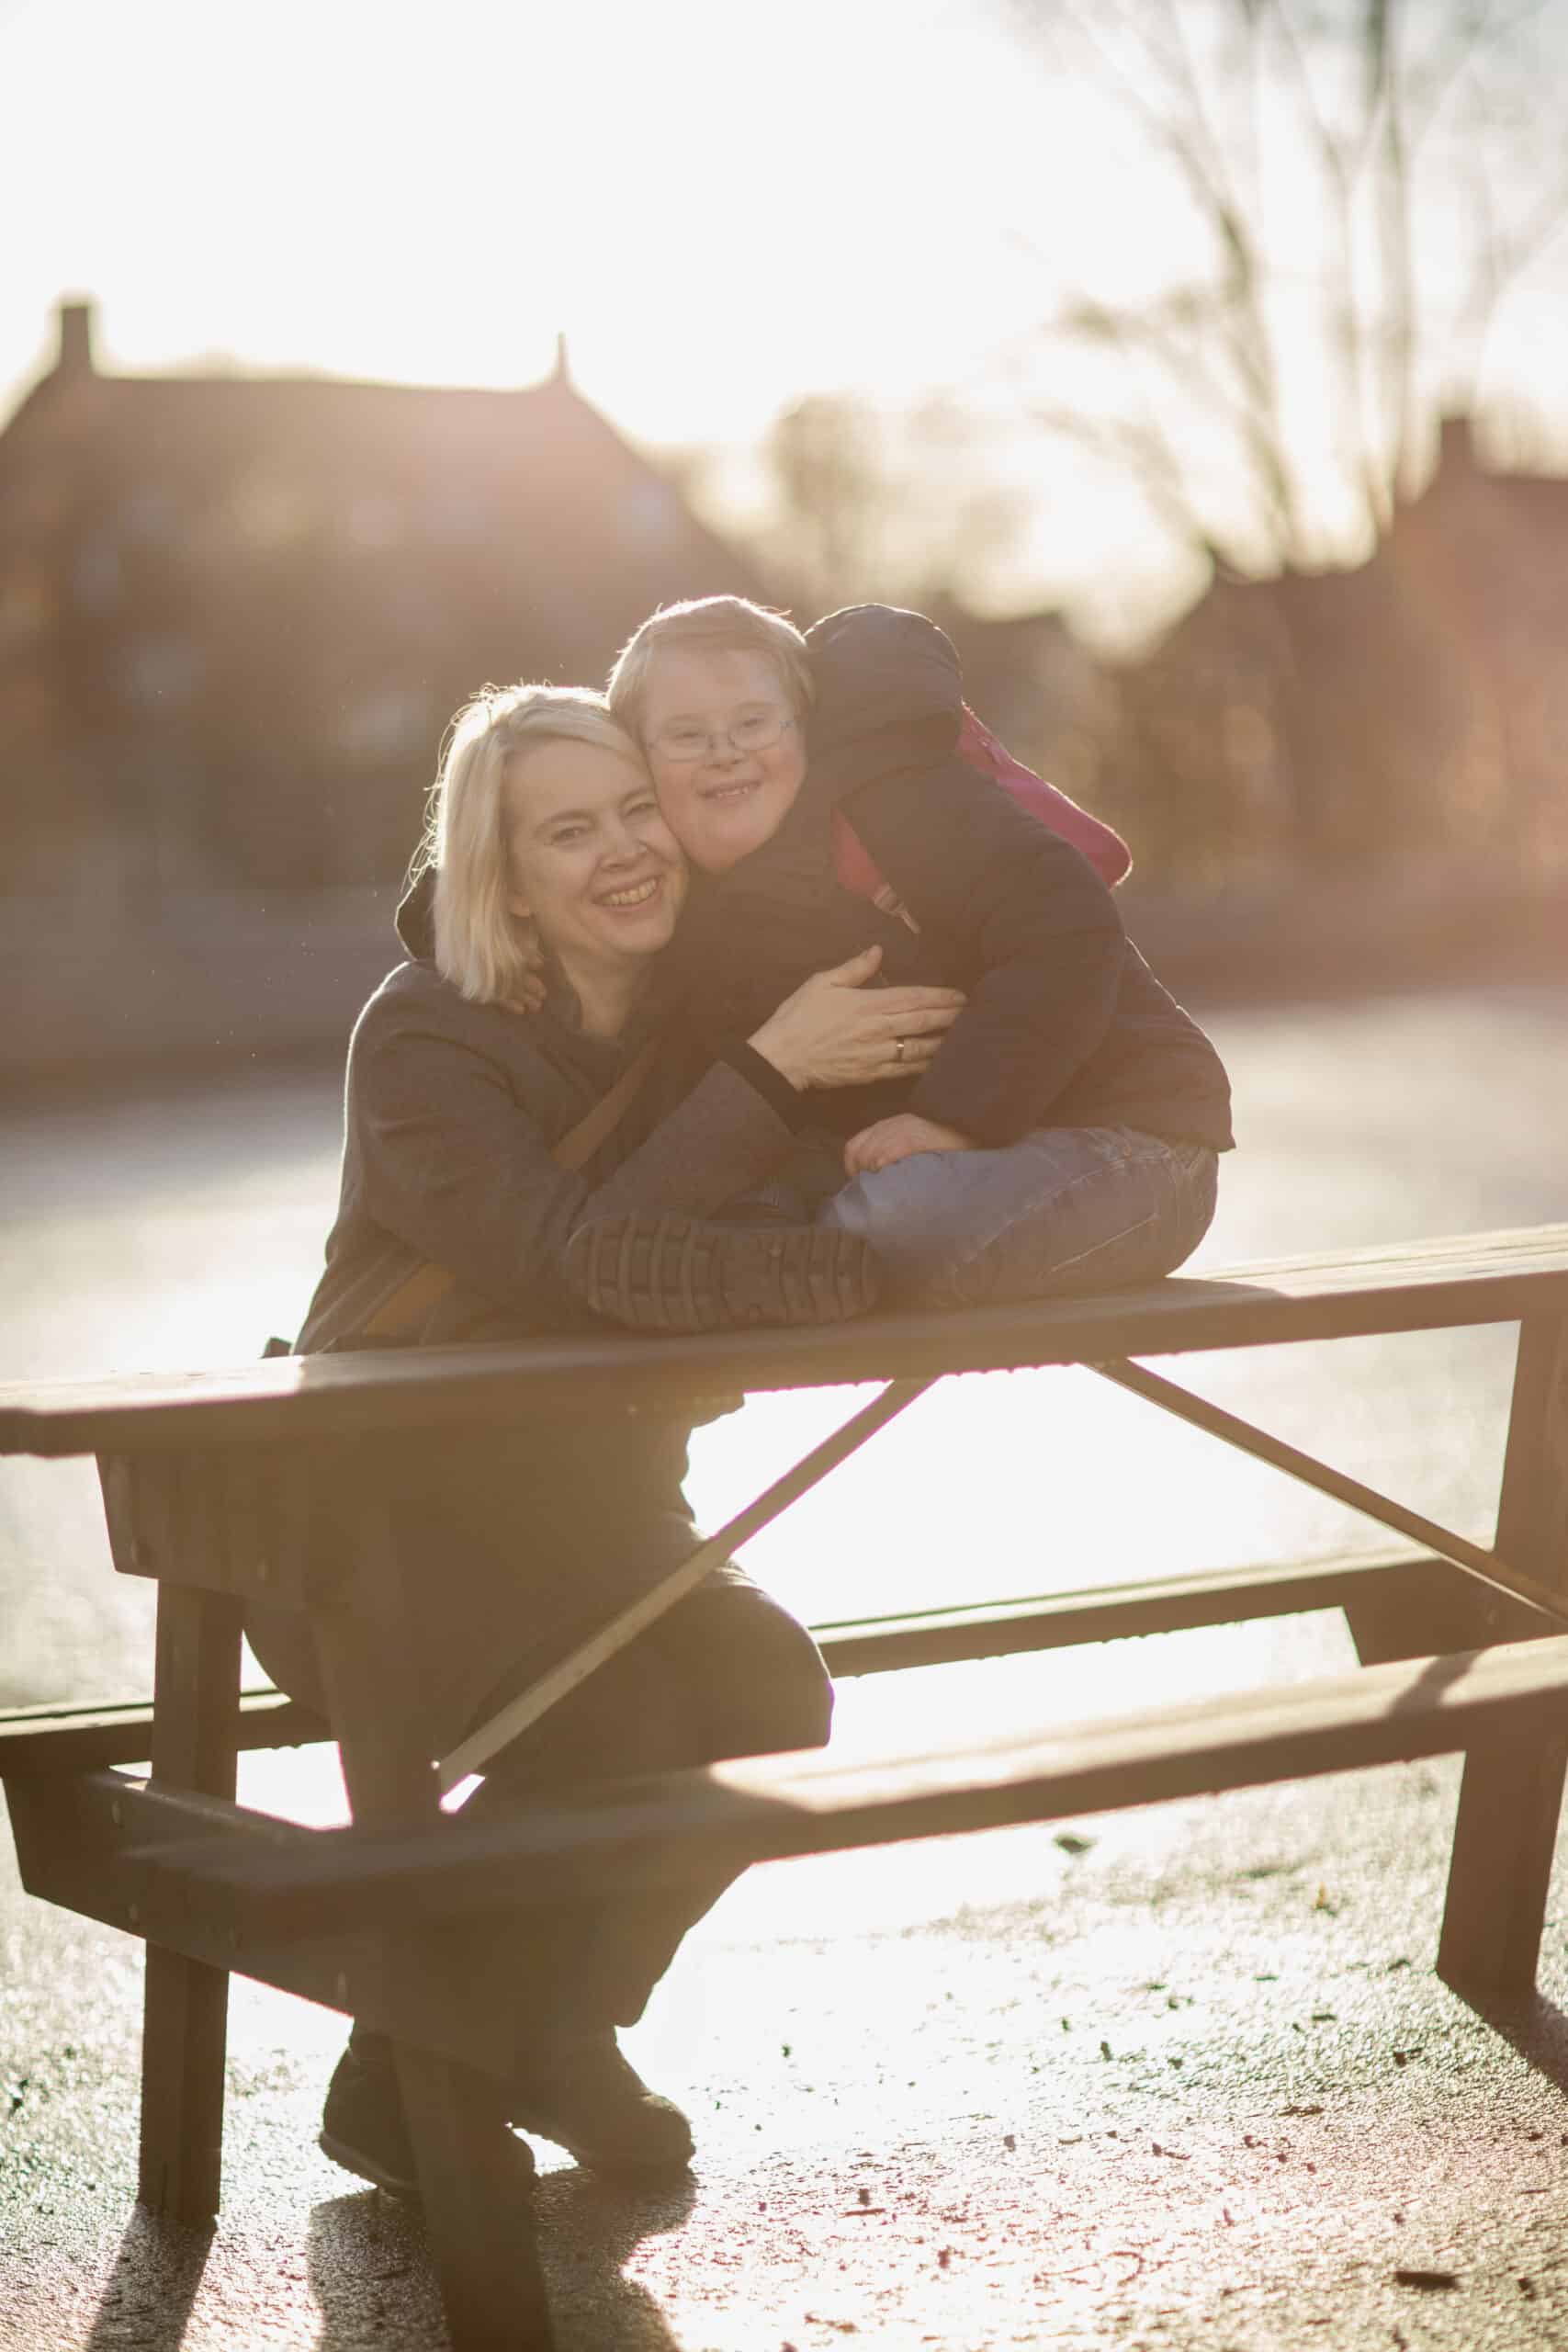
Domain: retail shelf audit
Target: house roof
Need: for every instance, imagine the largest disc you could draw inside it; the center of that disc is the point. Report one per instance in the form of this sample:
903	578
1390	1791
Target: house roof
542	447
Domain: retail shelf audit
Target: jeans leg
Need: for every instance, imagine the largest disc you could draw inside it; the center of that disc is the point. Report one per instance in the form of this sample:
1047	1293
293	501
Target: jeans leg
1063	1209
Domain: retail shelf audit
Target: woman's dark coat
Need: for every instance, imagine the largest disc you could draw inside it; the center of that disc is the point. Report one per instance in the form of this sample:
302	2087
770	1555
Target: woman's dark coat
512	1545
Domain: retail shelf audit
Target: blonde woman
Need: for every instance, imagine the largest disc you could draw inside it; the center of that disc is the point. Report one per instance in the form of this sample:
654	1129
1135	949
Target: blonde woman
514	1545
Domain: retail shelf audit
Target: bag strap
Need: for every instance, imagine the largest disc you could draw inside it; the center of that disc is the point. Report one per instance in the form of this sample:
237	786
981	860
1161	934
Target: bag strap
579	1144
428	1284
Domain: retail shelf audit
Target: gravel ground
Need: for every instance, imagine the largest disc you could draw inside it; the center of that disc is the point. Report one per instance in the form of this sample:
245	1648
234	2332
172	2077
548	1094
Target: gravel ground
1200	2088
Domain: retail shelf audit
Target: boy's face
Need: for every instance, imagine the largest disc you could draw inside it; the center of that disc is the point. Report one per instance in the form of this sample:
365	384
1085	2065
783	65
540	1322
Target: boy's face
724	792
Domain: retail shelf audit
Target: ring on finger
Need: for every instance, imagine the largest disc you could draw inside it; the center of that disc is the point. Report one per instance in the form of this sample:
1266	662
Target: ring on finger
898	1044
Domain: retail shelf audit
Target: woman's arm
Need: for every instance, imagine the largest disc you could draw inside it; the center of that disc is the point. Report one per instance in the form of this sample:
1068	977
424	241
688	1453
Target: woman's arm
456	1165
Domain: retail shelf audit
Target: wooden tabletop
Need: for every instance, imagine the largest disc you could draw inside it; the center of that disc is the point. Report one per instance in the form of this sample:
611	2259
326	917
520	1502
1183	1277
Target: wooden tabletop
1465	1279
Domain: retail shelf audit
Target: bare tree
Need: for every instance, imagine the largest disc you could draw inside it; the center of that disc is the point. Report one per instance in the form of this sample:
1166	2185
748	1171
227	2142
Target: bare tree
880	500
1345	191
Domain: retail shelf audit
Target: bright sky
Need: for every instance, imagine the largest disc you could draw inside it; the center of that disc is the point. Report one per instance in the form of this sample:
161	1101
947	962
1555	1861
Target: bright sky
425	192
723	203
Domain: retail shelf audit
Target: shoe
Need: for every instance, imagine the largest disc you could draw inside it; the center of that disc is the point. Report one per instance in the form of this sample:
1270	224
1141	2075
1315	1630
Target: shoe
676	1274
364	2127
589	2098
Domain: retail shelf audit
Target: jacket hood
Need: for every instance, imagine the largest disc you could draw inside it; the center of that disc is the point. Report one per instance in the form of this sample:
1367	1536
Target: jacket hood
415	917
885	673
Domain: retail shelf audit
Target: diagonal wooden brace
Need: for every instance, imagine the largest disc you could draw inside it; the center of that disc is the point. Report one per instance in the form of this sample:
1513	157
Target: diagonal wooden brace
481	1746
1230	1428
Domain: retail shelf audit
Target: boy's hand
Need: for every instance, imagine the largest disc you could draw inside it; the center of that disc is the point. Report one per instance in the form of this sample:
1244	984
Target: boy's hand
529	989
887	1141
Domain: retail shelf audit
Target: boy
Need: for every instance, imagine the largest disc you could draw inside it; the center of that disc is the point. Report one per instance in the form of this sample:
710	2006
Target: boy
1066	1134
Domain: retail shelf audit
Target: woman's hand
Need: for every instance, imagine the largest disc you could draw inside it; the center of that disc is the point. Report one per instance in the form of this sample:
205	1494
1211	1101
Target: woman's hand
834	1031
887	1141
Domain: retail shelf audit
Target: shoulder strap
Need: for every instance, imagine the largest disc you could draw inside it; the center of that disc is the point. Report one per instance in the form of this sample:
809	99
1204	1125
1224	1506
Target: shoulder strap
406	1310
579	1144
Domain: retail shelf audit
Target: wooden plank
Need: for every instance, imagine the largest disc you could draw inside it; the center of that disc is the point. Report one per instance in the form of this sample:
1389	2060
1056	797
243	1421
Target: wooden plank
1470	1279
264	1506
757	1809
57	1738
80	1842
185	2009
1161	1605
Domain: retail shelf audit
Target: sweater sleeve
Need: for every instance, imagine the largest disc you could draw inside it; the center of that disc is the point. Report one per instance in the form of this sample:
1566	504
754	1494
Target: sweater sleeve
1030	921
460	1172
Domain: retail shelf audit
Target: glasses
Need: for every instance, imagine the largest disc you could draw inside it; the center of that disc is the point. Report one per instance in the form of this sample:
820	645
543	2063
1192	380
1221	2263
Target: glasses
757	731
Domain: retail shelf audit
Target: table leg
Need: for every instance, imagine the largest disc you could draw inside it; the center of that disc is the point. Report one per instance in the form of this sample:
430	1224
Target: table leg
1415	1616
479	2226
1505	1837
186	2013
1511	1796
1532	1511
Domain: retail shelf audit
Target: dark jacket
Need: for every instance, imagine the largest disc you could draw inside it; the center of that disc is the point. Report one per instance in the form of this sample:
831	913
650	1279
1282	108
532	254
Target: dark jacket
1066	1025
451	1112
511	1545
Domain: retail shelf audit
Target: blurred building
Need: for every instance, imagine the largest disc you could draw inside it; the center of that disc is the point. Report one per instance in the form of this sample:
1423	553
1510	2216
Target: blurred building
1415	707
237	612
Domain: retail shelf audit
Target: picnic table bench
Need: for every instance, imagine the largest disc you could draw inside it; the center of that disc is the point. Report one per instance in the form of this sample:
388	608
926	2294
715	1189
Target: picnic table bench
210	1482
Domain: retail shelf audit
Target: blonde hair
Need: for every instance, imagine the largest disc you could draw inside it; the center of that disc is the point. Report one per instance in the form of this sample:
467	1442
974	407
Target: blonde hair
481	945
712	624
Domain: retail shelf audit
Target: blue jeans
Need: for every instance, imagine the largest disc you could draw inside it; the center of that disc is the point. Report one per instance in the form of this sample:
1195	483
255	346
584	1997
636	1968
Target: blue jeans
1063	1209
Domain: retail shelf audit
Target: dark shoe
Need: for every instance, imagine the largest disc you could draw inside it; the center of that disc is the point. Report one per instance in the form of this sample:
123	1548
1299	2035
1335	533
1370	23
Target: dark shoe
592	2101
676	1274
364	2127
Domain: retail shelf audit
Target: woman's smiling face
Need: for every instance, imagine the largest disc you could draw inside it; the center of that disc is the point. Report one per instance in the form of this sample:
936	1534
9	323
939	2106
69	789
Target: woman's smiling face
592	863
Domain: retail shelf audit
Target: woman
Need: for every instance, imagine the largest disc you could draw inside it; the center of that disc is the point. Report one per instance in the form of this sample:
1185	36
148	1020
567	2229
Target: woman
514	1546
1067	1134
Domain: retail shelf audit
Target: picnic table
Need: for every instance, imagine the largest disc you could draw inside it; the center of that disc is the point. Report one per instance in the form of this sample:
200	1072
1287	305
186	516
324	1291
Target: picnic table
212	1481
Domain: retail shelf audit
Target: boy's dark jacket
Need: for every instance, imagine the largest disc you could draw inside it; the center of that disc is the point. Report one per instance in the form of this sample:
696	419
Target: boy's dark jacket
1066	1025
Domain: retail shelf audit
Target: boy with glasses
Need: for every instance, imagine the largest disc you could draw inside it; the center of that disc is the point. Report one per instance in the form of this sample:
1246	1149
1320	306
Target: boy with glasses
1066	1132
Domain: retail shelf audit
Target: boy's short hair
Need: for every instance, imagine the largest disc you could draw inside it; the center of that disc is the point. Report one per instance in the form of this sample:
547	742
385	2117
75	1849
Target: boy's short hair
712	624
481	946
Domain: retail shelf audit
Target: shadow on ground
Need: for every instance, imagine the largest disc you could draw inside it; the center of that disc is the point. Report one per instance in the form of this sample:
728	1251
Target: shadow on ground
148	2297
369	2271
371	2274
1536	2029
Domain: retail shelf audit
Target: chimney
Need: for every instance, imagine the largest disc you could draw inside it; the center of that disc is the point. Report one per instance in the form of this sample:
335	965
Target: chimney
1456	447
75	339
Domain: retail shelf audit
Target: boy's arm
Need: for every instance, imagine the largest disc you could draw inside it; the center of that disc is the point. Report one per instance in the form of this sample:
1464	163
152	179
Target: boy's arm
1034	927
